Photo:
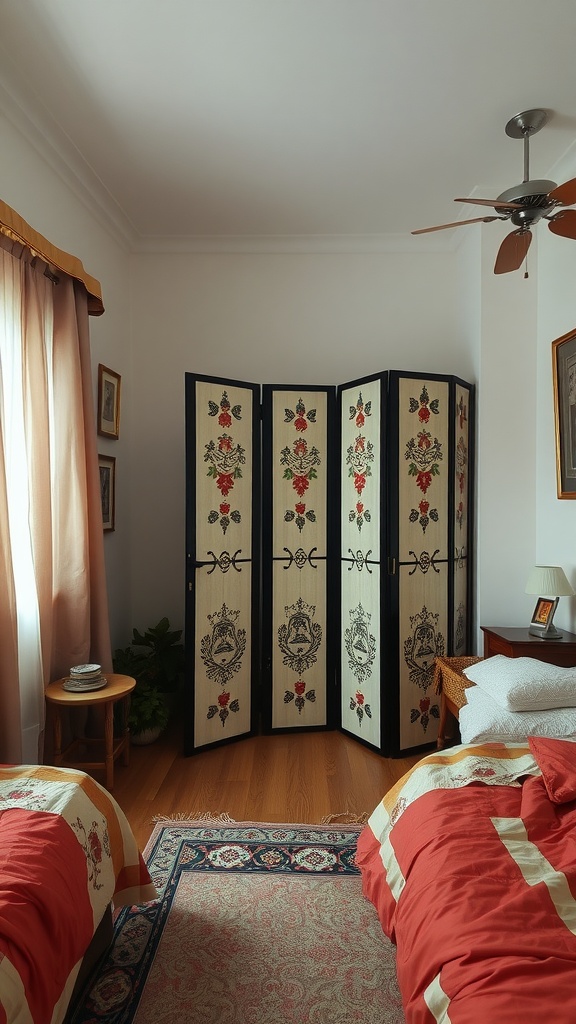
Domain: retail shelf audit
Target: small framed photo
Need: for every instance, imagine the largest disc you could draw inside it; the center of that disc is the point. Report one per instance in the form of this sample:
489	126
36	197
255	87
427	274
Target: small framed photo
564	379
107	469
108	402
544	612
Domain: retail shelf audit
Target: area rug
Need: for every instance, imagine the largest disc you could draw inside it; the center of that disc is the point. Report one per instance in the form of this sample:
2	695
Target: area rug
255	924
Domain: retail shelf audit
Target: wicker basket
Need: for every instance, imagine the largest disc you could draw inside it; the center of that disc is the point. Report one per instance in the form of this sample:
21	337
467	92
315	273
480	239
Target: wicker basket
449	678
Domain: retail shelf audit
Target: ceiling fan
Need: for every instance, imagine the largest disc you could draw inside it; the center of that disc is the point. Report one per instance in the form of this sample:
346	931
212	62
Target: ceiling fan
524	204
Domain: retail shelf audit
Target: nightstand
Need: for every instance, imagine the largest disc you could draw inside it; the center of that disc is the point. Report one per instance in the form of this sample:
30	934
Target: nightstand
517	642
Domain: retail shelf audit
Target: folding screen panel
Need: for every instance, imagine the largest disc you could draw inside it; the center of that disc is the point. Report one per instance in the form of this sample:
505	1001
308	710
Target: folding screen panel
223	545
362	410
429	544
462	420
299	489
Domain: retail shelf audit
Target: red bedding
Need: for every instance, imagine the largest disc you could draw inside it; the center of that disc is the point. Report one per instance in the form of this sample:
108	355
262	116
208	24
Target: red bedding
66	852
470	862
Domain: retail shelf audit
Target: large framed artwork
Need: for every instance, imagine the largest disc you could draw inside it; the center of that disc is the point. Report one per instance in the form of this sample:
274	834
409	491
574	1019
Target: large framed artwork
564	381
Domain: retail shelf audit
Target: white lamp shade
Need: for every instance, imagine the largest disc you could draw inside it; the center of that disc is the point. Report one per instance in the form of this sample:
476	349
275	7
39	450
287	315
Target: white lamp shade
549	581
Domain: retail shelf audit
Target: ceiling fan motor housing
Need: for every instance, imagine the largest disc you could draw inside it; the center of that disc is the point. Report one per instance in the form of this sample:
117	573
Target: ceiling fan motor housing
533	195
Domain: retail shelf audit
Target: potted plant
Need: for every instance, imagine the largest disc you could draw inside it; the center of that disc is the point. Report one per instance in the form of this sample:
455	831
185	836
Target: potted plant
149	714
155	659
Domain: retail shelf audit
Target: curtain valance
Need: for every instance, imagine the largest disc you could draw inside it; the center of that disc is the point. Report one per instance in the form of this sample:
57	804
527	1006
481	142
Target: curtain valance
13	226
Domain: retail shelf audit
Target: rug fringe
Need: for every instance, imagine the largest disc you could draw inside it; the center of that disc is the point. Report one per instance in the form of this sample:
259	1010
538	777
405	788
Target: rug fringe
345	818
342	818
206	816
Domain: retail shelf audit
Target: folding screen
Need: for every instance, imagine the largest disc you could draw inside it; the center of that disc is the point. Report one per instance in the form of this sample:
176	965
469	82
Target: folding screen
347	640
223	556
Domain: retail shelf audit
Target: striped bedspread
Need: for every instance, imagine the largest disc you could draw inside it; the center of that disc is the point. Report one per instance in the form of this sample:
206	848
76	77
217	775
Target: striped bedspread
470	861
66	852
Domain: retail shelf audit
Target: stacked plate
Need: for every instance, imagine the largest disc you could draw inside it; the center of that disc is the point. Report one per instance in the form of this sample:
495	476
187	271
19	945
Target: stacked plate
84	678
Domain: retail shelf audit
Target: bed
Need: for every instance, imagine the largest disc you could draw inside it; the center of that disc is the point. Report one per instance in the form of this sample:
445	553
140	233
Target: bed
470	861
67	854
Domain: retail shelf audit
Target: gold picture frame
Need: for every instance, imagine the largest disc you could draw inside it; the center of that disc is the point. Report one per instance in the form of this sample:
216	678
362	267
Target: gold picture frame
107	470
108	402
564	381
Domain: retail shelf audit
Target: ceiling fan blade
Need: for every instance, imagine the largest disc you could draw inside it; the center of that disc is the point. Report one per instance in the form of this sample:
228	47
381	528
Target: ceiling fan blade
491	202
512	251
564	224
564	194
456	224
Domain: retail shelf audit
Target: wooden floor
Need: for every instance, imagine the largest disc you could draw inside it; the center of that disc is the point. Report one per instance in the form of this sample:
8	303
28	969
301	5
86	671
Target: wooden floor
299	778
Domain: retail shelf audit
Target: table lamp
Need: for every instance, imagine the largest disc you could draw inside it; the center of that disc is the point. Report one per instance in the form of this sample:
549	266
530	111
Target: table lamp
551	581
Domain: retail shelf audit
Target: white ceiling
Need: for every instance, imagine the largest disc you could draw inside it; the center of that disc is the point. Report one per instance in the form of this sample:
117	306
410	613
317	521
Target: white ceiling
292	118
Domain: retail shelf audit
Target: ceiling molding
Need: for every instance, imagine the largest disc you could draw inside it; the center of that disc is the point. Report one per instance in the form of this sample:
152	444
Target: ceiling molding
53	145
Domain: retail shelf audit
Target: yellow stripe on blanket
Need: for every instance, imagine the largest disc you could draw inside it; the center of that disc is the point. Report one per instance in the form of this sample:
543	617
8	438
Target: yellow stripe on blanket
536	868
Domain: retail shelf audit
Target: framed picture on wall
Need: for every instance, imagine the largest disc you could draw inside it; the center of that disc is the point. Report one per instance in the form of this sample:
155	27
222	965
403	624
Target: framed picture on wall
564	379
108	402
107	469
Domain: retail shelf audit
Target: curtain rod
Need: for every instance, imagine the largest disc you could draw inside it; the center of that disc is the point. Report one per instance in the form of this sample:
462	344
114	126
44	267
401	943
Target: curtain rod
15	227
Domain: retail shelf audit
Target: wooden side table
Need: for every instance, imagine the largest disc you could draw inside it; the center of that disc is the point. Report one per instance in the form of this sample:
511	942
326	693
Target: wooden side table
118	688
517	642
450	683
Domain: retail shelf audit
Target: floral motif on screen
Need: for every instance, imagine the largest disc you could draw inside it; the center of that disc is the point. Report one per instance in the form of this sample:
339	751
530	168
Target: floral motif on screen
421	647
461	461
359	459
225	458
299	641
300	461
222	650
360	647
424	453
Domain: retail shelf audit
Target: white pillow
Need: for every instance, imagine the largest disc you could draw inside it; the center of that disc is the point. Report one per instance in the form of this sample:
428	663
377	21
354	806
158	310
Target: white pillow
524	684
483	720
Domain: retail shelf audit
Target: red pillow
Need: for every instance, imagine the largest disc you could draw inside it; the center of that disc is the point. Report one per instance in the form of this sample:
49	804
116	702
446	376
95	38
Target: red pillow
556	760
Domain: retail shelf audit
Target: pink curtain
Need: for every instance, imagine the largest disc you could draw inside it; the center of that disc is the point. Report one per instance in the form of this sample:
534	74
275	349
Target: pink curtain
53	606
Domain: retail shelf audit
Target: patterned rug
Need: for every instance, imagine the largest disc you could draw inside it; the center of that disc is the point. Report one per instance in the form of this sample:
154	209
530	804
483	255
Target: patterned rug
255	924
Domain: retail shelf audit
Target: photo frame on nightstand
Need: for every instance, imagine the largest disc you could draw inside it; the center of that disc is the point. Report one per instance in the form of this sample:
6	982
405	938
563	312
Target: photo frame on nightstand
543	612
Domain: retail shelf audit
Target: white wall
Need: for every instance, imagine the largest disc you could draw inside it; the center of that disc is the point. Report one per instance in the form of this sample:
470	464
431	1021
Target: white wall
269	319
506	438
555	517
37	192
